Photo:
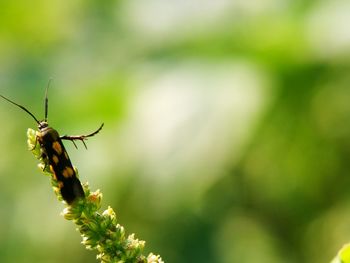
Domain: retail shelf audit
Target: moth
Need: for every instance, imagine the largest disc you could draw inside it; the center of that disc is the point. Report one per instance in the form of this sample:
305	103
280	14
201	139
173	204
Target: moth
56	156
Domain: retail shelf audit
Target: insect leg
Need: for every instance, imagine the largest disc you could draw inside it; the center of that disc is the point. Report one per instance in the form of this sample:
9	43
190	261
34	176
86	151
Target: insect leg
34	145
81	137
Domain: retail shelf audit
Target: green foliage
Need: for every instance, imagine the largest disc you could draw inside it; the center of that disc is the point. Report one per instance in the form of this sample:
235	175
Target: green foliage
100	231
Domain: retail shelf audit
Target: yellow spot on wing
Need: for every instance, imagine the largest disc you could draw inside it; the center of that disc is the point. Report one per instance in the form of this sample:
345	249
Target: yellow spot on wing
55	159
53	172
56	146
67	172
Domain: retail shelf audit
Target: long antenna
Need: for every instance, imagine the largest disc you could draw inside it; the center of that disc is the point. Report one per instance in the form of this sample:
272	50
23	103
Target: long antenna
23	108
47	100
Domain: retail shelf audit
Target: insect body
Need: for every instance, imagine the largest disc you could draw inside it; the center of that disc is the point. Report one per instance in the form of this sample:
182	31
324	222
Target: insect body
53	151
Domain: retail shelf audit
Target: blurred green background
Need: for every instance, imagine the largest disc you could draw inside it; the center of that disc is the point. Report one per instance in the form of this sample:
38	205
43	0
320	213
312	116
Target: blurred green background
227	125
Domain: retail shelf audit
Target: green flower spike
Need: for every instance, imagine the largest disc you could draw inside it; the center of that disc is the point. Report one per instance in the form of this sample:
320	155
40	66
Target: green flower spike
100	232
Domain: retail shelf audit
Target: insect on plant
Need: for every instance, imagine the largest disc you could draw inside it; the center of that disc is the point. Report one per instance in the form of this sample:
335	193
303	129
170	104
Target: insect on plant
54	153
